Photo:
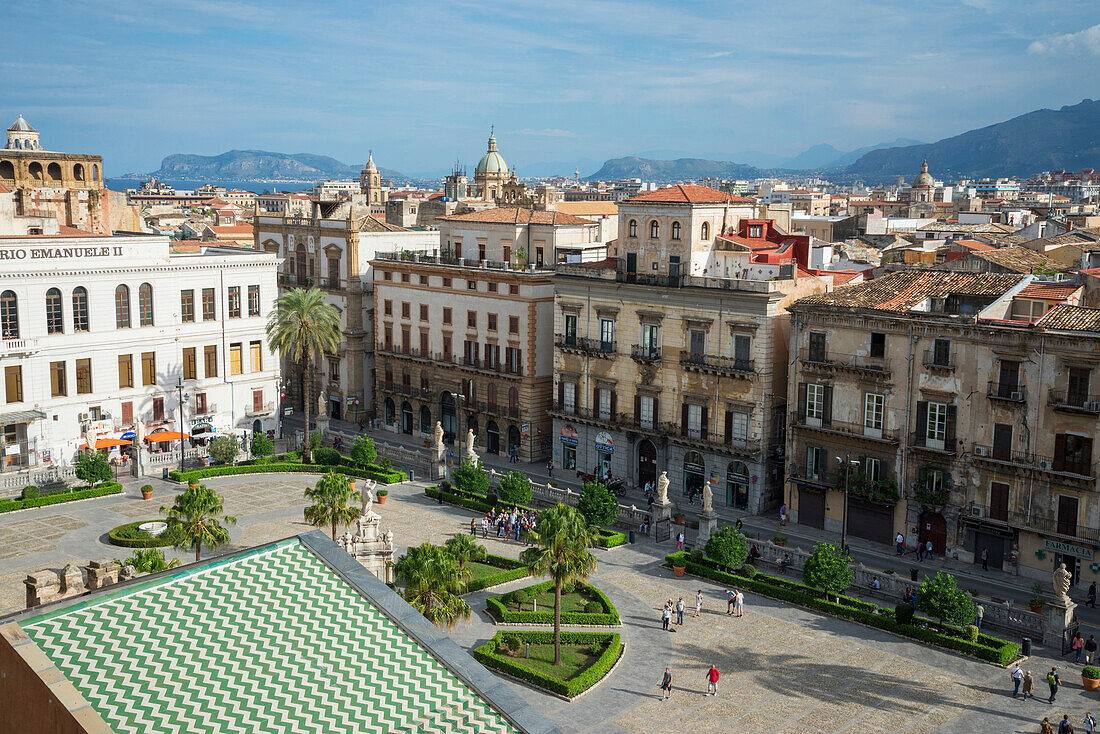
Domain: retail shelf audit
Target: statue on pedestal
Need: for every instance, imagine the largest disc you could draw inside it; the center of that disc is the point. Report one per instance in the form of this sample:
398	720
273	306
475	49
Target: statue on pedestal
1062	581
662	489
367	496
470	453
437	436
708	499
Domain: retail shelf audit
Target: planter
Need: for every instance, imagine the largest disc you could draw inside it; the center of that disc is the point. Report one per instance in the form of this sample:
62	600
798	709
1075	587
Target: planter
1037	608
382	499
1090	684
678	519
679	570
147	494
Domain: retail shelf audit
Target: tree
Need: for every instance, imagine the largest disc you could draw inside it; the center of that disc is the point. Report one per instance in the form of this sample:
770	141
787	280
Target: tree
92	467
727	547
828	568
598	504
470	477
224	449
332	502
561	539
363	452
464	548
149	560
301	326
515	488
261	445
196	519
433	583
940	597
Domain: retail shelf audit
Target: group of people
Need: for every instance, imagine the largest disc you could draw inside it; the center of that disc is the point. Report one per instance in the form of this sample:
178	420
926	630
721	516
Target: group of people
712	676
512	525
1081	646
1065	726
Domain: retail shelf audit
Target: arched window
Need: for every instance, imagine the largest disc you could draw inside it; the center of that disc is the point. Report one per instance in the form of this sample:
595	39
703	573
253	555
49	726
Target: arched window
390	410
425	419
9	315
406	380
80	308
78	172
633	227
654	229
95	173
145	305
513	402
55	319
389	377
705	233
492	397
35	169
122	307
54	172
7	170
675	230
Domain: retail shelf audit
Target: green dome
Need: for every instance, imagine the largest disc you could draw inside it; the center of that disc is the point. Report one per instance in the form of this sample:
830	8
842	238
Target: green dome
492	161
924	178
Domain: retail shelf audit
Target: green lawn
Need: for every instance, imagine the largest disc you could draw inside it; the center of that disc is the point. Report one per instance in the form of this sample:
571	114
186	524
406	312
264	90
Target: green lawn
574	659
480	570
574	602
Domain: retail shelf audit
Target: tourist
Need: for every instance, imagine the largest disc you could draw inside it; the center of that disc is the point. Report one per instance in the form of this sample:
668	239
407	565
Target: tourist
874	583
979	615
1077	644
1089	722
928	550
698	602
666	683
730	599
1064	727
1091	601
485	526
680	540
680	612
666	615
920	551
753	555
899	543
785	563
1045	727
1053	681
739	604
712	681
1029	686
473	526
1017	679
783	514
550	468
907	597
985	559
1090	649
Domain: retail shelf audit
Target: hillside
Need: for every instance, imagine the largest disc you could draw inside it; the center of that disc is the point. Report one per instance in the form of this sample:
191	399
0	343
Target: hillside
257	165
681	169
1044	140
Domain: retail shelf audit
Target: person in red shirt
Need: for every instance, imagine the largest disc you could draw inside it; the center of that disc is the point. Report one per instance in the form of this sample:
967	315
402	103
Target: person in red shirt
712	681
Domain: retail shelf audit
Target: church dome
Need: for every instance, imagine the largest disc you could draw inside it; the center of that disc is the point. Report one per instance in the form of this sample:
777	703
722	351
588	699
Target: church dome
21	126
924	179
492	161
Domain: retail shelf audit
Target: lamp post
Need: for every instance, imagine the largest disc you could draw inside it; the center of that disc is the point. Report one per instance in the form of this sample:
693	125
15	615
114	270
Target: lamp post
179	390
848	464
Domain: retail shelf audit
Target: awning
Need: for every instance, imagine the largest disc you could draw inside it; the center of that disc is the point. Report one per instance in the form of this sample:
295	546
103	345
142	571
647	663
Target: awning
21	416
165	436
105	443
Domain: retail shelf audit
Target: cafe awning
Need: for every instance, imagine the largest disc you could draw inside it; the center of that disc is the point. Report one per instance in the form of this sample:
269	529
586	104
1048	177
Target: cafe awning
105	443
161	436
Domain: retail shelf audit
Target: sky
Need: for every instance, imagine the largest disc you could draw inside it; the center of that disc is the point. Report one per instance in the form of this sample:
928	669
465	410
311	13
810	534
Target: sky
421	83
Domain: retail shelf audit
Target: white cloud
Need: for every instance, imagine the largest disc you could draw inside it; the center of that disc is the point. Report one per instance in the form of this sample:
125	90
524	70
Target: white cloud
551	132
1086	41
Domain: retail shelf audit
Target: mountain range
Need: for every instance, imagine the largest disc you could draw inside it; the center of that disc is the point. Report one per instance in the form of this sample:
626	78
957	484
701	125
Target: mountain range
256	165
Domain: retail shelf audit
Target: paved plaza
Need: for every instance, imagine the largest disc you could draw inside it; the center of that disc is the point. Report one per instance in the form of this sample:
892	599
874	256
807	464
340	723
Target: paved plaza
783	669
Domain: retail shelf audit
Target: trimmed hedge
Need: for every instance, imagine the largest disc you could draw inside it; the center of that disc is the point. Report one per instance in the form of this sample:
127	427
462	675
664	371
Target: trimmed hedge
126	536
610	538
989	648
377	473
487	655
497	610
512	570
78	493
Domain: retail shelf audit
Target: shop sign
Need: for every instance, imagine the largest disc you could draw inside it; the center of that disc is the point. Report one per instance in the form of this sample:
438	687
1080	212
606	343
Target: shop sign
128	436
694	468
604	441
1068	549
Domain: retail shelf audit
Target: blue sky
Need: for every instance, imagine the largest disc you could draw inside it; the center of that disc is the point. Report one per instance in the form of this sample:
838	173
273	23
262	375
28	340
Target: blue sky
421	82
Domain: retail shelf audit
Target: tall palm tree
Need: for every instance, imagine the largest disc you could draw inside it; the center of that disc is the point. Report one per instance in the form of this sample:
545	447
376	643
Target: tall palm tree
561	539
433	582
301	326
193	520
464	548
333	499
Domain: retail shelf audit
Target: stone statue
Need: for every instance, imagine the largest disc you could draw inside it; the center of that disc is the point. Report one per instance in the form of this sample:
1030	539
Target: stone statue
1062	581
470	453
139	433
367	495
321	404
708	498
662	489
437	436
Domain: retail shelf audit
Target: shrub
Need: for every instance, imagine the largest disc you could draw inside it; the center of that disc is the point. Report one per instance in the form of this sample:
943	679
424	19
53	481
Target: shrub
224	449
129	536
147	488
610	538
515	488
29	492
1091	672
568	587
363	452
510	570
748	570
697	555
972	633
382	493
77	493
92	467
511	643
605	615
314	441
593	607
326	456
727	547
470	477
610	646
520	597
292	457
445	485
903	612
828	568
382	476
150	560
261	445
941	598
385	463
598	504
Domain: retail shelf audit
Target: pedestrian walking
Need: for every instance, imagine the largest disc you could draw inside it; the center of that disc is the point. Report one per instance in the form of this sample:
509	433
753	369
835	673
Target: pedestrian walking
666	683
1090	649
666	615
1077	644
1045	727
783	514
473	526
1091	602
698	602
1017	679
680	540
1064	727
920	552
979	615
739	604
928	550
1089	722
985	559
1029	686
550	468
899	543
712	681
730	599
680	611
1054	682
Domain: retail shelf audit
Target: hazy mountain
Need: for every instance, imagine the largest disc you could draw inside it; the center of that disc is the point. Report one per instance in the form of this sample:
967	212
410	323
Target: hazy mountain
258	165
558	168
678	170
1043	140
851	157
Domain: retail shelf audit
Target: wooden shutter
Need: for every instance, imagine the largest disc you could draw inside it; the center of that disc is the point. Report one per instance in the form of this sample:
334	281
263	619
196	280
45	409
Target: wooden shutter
729	426
637	408
922	422
952	416
561	394
656	411
703	424
827	405
614	400
595	402
802	402
684	420
1060	452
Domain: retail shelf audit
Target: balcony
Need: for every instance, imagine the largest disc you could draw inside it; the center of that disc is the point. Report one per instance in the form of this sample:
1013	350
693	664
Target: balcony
1022	521
1074	471
18	347
206	409
939	362
267	407
583	345
846	428
814	359
587	415
471	363
826	478
645	354
921	442
998	455
1074	402
713	364
711	442
1006	392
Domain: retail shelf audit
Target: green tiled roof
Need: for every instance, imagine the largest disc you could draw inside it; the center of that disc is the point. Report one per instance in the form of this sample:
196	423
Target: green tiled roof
268	641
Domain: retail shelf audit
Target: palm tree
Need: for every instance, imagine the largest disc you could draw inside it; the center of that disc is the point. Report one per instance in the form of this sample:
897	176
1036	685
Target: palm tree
193	520
332	502
561	540
301	326
433	582
464	548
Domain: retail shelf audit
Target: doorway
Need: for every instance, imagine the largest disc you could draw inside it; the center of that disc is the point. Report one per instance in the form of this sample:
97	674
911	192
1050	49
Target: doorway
694	472
995	544
492	438
334	408
406	418
737	485
647	462
447	417
811	508
513	440
933	528
1073	565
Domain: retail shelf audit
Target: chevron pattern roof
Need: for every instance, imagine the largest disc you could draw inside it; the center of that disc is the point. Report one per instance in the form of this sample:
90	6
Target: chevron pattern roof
268	641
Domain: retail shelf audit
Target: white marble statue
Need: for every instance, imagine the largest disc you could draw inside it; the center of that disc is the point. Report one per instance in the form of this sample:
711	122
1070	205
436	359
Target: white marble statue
139	433
708	499
367	496
470	453
437	436
662	489
1062	581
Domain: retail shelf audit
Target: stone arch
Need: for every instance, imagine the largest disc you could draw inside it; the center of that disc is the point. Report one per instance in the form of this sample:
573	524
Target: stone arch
95	173
35	170
7	170
705	231
676	229
78	171
654	229
53	171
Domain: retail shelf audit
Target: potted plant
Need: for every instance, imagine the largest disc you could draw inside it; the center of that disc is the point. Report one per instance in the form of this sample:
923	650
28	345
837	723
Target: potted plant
1037	603
678	570
147	492
678	518
382	494
780	540
1090	677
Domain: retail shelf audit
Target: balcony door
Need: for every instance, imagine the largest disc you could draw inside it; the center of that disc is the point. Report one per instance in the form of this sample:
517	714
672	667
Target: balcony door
1002	441
1067	515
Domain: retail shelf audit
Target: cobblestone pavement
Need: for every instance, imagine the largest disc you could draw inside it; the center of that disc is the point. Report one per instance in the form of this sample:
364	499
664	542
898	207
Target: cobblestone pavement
783	669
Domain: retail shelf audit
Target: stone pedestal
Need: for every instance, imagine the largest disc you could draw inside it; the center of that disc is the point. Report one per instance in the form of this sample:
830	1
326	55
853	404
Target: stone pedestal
1059	615
708	523
372	548
439	461
102	573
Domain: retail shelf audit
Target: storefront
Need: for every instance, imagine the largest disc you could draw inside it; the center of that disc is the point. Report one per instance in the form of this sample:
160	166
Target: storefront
694	472
605	448
737	485
568	447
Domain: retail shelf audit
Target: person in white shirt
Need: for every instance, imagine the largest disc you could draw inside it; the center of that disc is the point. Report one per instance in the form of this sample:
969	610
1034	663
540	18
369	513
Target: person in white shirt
739	604
1017	678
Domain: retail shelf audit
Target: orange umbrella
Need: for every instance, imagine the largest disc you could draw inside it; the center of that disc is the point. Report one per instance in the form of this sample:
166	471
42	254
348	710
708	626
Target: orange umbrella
165	436
106	443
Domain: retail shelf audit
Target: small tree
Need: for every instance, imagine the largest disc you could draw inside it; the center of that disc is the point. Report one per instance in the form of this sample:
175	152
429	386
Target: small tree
464	548
434	583
314	440
92	467
261	445
363	452
333	499
470	477
224	449
515	488
828	569
149	560
598	504
940	597
727	547
196	519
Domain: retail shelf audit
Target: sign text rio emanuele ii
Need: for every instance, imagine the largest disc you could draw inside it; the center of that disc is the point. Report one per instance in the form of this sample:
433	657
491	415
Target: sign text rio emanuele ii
56	253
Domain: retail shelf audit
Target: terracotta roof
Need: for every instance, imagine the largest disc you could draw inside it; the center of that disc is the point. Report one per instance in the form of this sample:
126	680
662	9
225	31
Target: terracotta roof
690	194
516	215
232	229
1071	318
370	223
1049	291
1018	259
589	208
903	290
974	245
4	189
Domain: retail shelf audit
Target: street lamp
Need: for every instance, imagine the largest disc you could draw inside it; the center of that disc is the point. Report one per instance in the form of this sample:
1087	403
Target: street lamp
848	463
179	390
